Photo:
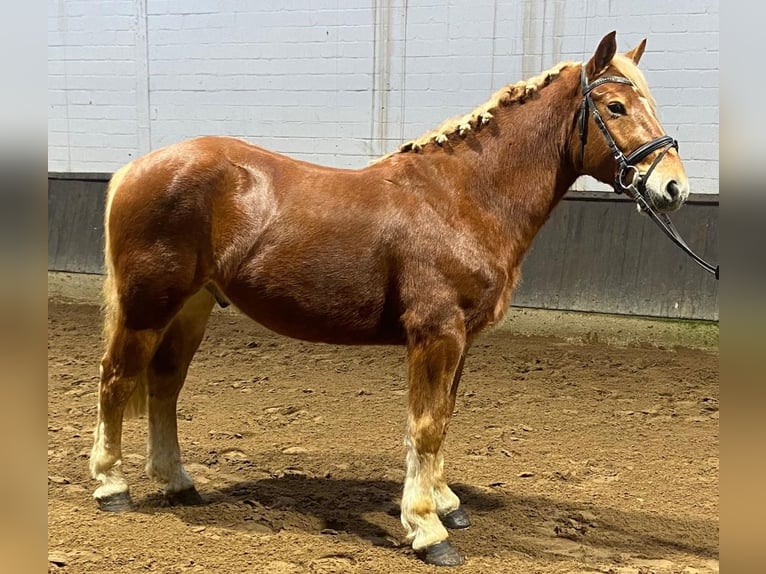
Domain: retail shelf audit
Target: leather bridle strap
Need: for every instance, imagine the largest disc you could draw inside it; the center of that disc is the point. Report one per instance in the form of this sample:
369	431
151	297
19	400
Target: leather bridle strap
666	225
587	105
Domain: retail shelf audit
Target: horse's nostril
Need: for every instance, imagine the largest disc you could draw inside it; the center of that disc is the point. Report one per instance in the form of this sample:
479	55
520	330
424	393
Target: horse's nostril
673	190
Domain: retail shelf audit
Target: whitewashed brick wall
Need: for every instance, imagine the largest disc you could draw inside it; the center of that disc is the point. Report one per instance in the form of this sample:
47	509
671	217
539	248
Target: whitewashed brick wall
340	82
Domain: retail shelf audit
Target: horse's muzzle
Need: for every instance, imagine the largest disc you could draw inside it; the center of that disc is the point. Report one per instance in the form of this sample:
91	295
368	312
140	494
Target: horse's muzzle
670	196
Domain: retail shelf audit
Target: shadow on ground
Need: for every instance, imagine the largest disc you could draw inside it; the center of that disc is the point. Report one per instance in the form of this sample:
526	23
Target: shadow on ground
367	511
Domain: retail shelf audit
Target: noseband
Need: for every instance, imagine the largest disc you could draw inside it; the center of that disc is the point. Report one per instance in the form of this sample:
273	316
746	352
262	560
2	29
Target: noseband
629	179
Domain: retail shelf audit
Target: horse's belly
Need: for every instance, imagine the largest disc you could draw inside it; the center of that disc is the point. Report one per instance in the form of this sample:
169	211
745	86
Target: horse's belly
343	314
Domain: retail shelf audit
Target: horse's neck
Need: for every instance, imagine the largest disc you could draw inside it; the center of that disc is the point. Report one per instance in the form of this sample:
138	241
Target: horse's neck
517	170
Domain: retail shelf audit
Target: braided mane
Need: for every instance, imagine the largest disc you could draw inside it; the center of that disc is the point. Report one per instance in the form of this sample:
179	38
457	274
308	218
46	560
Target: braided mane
482	115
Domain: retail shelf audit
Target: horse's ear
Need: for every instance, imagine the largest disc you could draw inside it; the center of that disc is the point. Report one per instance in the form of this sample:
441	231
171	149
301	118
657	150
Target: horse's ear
603	55
636	53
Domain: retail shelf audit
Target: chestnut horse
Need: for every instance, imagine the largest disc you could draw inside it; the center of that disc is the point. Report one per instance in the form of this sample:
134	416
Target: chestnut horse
421	248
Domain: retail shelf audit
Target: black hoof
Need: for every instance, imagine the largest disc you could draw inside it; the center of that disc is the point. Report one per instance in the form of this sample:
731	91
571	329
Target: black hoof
441	554
117	502
186	497
457	519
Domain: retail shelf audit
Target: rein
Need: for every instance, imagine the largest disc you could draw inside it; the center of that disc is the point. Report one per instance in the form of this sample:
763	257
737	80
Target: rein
635	187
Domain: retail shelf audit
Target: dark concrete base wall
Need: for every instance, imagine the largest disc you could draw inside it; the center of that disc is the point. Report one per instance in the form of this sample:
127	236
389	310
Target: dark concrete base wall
594	254
76	222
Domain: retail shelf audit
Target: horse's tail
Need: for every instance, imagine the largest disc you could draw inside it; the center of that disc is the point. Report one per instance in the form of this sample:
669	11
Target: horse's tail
137	404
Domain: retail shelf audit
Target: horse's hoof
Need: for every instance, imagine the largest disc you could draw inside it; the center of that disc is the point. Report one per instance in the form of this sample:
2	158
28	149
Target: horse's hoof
441	554
457	519
186	497
117	502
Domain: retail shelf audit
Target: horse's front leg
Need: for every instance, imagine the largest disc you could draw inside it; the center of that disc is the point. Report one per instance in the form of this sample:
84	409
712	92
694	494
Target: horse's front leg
433	360
453	515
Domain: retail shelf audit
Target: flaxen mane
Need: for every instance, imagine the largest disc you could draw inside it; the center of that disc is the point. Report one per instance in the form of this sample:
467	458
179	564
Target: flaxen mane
481	116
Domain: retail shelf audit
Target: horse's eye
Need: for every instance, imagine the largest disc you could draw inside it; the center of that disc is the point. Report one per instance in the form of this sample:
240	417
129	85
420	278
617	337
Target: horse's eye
616	108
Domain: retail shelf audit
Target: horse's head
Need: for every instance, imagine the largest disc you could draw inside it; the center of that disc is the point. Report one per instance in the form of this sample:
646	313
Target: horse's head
621	141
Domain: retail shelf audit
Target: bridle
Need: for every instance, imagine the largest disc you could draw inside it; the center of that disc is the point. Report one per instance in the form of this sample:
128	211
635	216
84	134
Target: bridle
637	182
629	179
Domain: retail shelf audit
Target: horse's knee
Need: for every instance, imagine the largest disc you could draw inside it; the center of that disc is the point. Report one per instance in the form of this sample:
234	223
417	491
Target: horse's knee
434	355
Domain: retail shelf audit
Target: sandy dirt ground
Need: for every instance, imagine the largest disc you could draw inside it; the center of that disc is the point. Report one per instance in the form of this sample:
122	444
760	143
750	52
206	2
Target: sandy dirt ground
580	443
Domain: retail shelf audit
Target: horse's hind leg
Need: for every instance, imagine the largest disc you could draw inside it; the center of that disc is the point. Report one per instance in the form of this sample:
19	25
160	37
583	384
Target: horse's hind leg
165	377
433	360
123	367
